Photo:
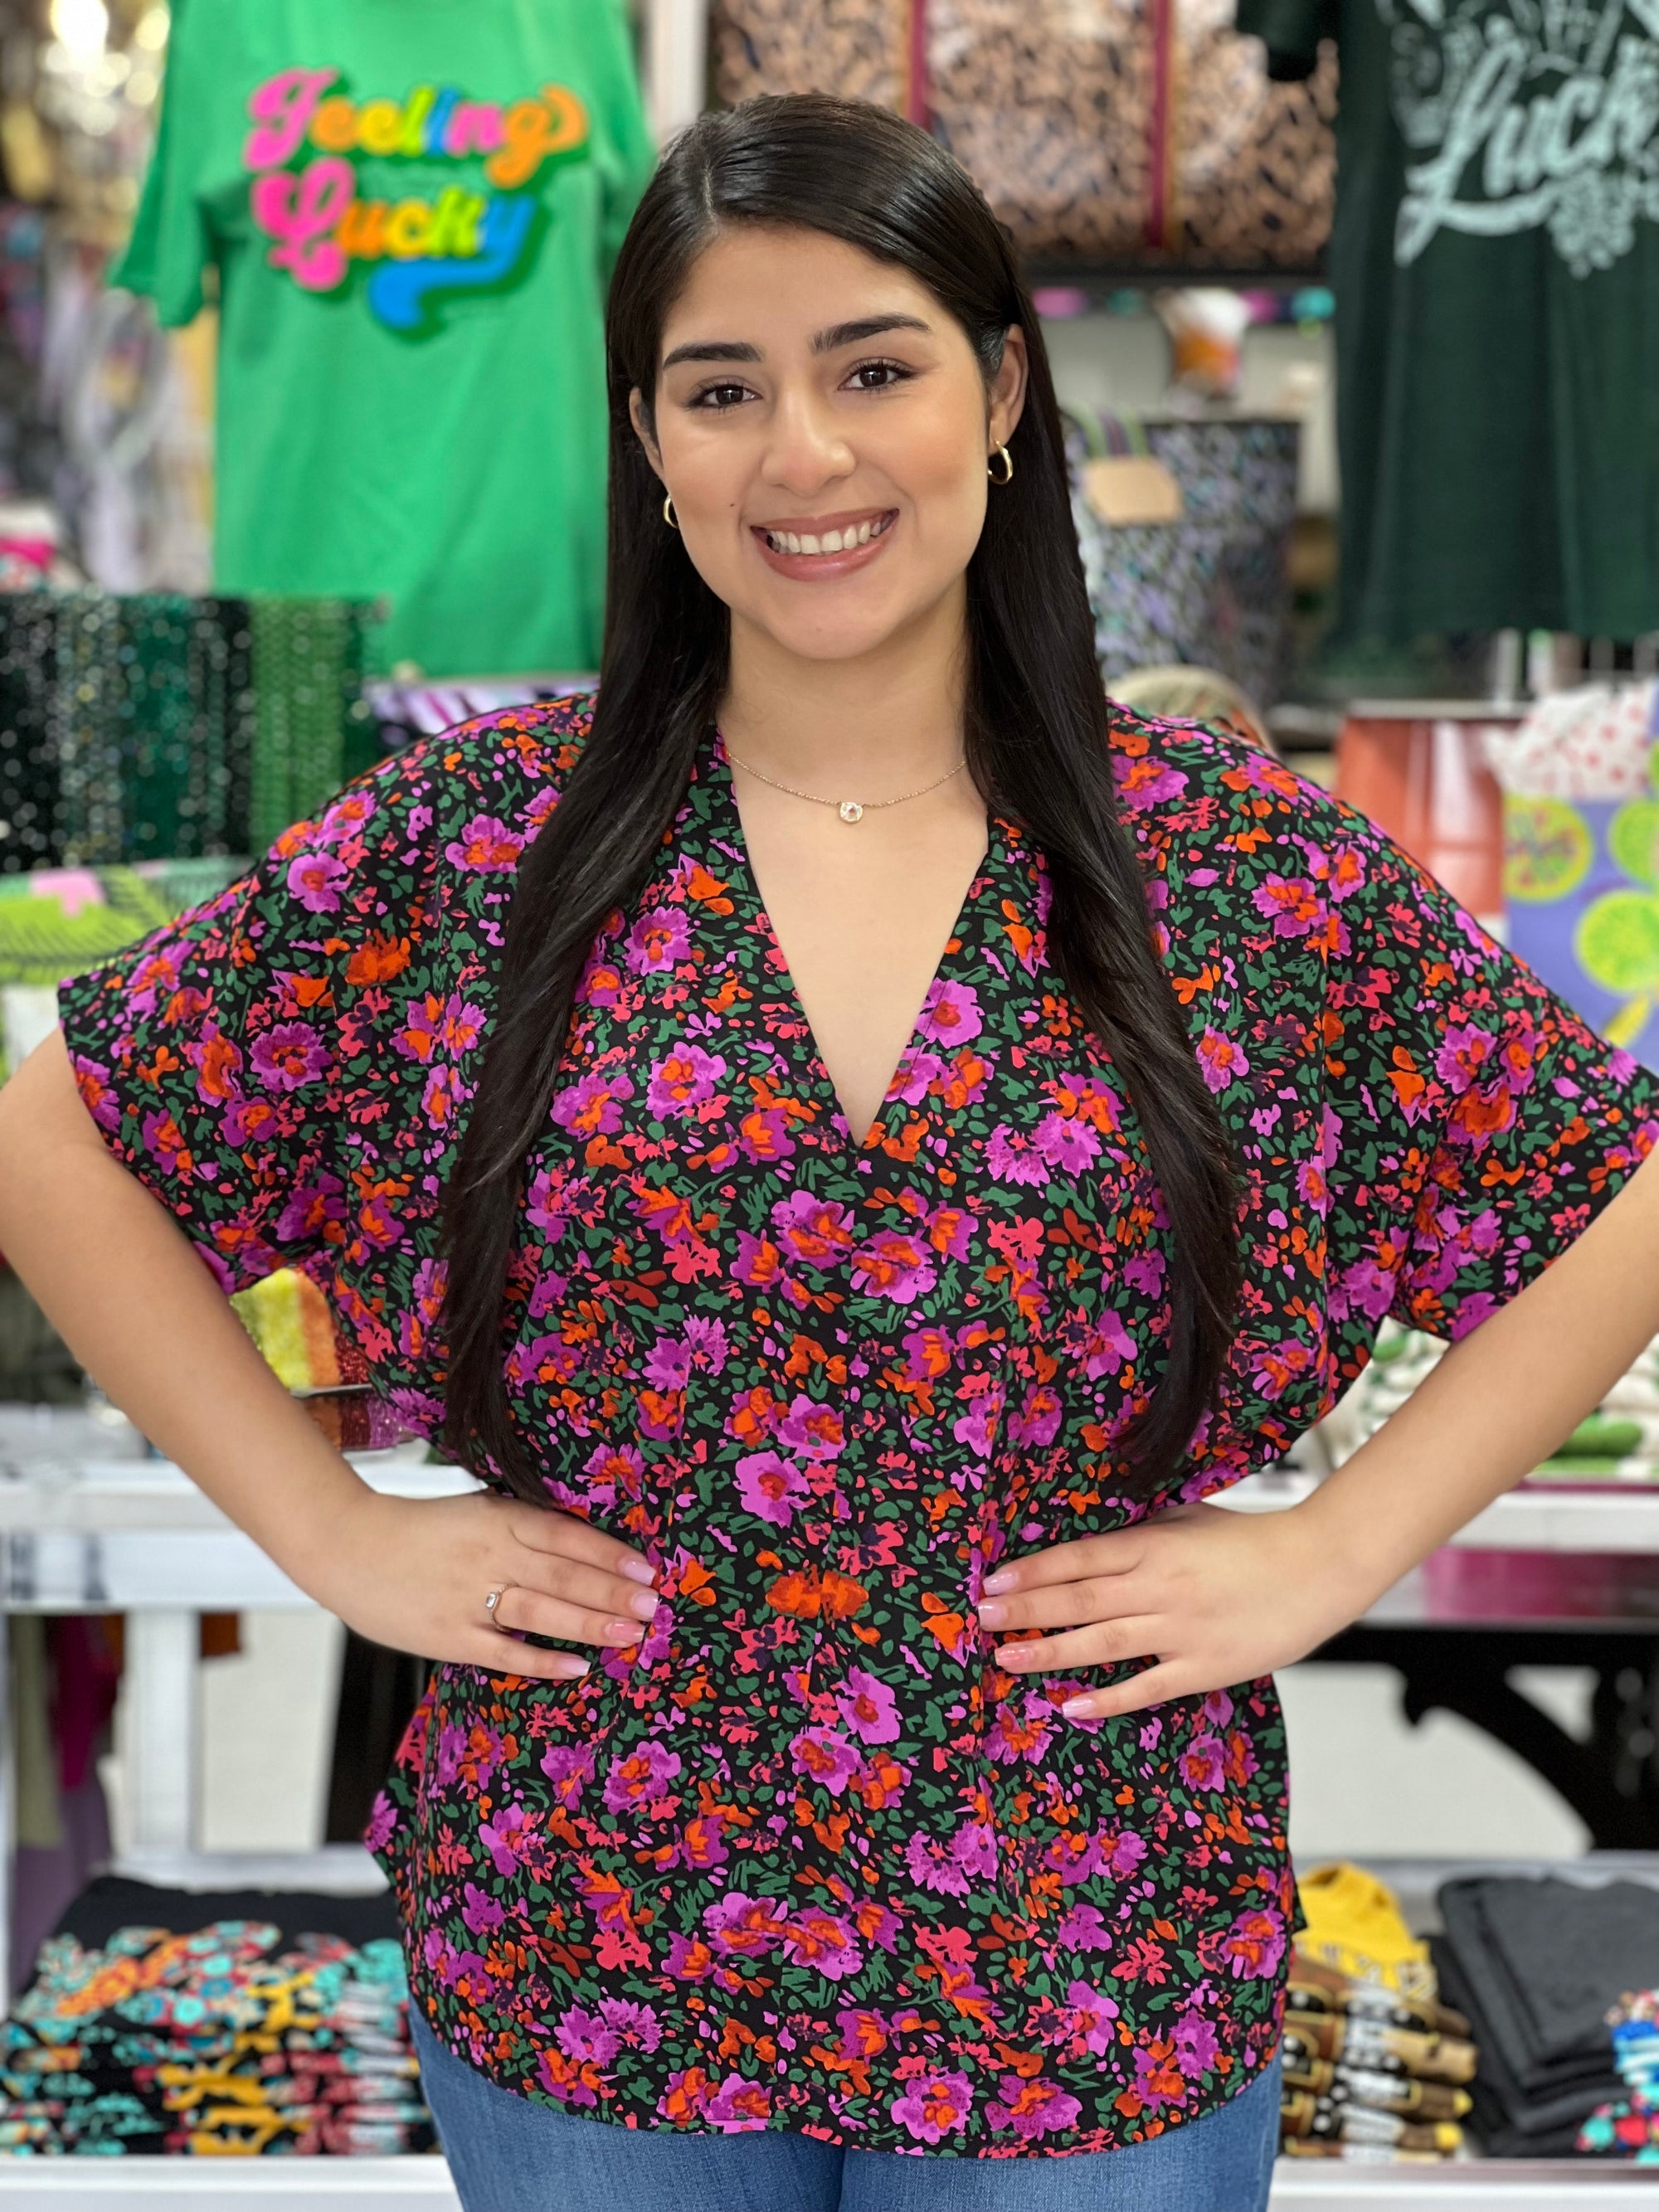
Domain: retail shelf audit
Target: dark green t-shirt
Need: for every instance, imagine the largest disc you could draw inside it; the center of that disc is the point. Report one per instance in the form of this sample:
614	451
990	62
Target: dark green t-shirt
1495	264
413	206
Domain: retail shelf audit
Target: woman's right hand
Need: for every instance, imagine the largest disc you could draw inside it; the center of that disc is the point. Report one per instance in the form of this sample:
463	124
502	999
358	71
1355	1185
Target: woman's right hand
414	1573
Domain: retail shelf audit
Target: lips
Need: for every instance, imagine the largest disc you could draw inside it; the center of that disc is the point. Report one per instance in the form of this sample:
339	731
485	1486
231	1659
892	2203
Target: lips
824	541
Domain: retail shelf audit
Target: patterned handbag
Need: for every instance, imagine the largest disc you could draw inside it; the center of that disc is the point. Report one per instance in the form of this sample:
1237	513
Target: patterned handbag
1127	133
1212	588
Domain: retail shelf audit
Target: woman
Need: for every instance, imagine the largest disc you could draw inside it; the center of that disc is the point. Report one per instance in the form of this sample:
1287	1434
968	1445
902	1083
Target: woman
852	1731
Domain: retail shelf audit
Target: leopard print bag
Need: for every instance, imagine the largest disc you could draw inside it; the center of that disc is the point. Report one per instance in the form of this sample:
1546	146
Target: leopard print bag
1129	133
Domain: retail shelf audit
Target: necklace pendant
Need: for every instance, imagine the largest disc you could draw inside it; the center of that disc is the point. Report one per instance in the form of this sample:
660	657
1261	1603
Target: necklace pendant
850	811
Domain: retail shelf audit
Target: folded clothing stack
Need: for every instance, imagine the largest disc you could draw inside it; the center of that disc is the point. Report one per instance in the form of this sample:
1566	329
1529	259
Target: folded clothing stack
1376	2067
1369	2074
1628	2126
228	2038
1537	1963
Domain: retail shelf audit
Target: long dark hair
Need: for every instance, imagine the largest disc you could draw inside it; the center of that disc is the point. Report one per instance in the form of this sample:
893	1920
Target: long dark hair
1037	735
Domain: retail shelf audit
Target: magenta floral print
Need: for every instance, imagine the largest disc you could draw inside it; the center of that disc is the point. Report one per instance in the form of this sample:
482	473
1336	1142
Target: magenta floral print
805	1857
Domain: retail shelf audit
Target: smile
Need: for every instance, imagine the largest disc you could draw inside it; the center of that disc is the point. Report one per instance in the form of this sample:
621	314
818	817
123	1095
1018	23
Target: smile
817	544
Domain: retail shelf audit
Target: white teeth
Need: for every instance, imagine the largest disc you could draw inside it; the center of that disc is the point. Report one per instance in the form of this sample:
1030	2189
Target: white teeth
829	541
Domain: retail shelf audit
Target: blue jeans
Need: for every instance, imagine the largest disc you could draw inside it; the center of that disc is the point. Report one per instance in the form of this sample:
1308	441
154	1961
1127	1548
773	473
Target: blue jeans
509	2154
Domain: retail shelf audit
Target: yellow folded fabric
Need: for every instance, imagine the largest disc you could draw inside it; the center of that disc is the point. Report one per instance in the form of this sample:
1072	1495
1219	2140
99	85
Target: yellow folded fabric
288	1318
1355	1924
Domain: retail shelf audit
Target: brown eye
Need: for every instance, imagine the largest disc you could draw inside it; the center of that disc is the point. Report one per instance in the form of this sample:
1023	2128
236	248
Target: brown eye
881	375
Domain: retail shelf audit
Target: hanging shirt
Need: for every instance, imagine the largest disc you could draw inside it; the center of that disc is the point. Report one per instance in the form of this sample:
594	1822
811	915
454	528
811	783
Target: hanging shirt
805	1857
413	207
1495	257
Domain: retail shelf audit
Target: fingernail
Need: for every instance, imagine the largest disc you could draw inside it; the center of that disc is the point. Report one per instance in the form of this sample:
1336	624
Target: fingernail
993	1614
1003	1579
645	1604
629	1631
570	1668
1015	1655
638	1571
1077	1708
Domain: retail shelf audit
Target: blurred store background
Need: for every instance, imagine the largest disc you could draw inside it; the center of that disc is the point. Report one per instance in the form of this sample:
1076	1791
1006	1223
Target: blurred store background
1359	352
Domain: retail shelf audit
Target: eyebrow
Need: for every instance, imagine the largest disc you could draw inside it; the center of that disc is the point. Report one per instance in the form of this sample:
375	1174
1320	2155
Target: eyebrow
838	335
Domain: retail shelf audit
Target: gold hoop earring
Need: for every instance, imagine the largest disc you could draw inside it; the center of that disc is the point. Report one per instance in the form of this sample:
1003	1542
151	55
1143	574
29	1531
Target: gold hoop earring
668	514
1007	476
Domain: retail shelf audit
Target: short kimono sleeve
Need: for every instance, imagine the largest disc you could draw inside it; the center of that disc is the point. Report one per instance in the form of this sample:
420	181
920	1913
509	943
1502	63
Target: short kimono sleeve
1475	1124
222	1056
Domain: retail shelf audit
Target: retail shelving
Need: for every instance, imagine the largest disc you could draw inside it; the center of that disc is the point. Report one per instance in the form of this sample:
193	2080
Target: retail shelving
276	2185
132	1535
1531	1519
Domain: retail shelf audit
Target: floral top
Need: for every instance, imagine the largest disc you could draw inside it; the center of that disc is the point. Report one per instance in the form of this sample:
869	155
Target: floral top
805	1857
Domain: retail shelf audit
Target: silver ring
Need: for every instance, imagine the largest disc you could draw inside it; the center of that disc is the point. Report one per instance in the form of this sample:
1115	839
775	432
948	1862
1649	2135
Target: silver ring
490	1604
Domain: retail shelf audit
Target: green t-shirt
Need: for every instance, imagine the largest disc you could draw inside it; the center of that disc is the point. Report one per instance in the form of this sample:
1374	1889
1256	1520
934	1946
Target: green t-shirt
1495	264
414	207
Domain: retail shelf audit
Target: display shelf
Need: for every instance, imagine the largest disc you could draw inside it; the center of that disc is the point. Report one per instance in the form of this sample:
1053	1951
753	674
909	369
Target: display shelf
41	1495
1479	2185
273	2185
134	1534
331	1870
1531	1519
1472	2184
137	1536
386	2184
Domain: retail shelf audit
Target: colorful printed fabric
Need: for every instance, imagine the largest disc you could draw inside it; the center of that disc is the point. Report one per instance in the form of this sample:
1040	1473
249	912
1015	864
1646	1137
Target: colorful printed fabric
1210	588
805	1857
213	2044
53	920
1628	2127
1594	742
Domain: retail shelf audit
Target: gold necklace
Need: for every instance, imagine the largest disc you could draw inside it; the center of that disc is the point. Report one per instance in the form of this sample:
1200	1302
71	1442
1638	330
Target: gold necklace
850	810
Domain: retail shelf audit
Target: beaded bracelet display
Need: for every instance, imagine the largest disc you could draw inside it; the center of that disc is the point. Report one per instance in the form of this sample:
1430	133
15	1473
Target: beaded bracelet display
158	726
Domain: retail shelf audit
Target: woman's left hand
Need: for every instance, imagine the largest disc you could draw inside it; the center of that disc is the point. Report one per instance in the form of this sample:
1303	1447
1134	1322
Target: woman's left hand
1212	1595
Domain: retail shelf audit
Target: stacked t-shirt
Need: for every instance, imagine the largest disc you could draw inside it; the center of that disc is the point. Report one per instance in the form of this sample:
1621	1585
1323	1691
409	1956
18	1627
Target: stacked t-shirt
1367	2070
412	207
1537	1965
227	2037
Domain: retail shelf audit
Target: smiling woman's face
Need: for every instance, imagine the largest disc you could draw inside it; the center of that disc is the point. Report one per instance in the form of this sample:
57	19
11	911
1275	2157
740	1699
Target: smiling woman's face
823	426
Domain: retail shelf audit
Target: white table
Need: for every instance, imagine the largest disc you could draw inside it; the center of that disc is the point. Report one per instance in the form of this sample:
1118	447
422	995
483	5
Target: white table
1527	1520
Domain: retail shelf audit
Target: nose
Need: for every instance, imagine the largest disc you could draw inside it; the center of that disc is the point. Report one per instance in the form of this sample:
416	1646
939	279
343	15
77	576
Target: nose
804	451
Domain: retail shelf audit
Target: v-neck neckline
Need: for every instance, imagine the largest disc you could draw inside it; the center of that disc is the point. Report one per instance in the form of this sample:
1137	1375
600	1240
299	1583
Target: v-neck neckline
759	916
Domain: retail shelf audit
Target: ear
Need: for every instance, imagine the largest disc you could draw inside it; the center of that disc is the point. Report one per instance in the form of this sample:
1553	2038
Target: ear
1008	387
642	431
